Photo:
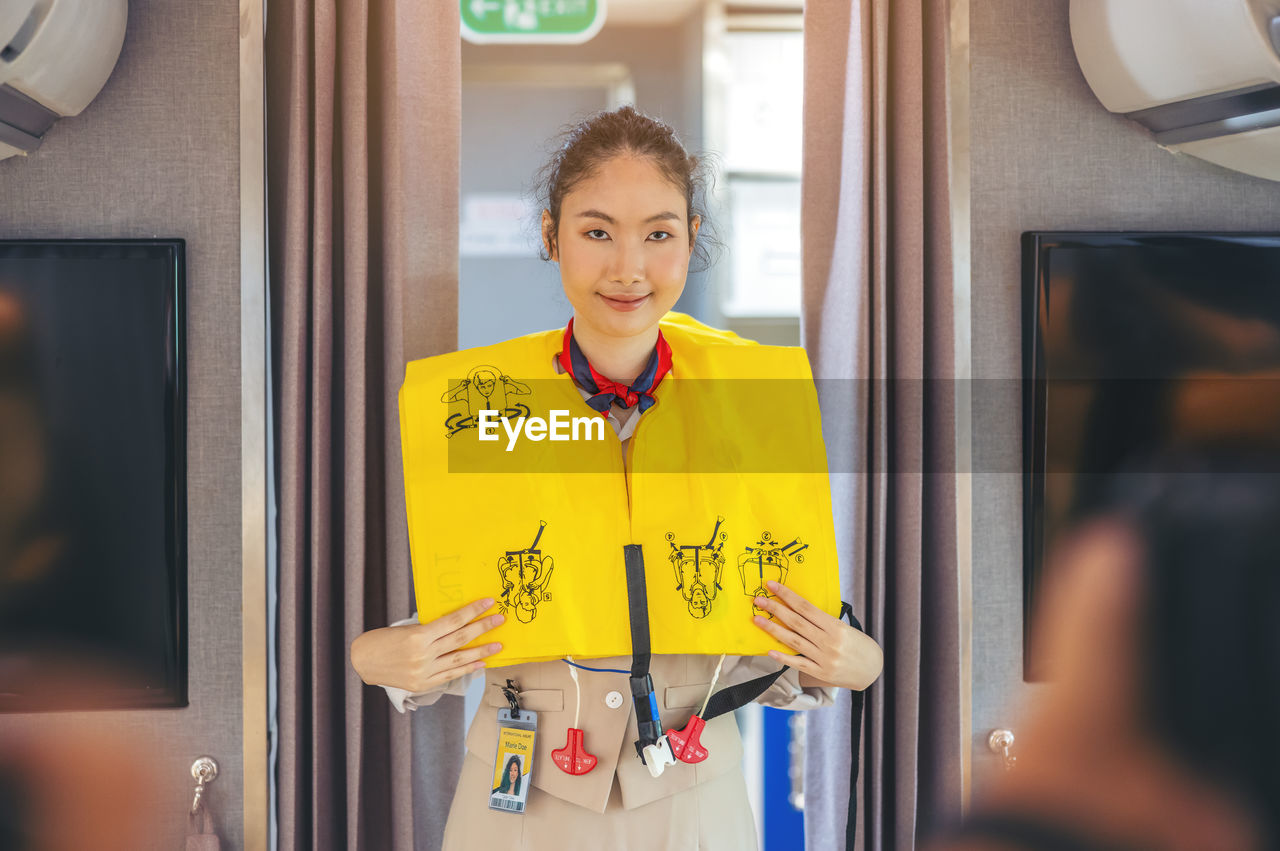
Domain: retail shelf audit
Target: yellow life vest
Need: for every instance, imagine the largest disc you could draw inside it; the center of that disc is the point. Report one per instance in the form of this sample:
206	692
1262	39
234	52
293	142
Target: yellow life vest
727	488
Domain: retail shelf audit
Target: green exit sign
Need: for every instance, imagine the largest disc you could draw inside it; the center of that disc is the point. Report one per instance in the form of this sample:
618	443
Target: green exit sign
531	21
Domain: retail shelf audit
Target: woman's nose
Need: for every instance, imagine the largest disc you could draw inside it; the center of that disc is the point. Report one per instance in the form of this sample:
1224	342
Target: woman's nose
628	264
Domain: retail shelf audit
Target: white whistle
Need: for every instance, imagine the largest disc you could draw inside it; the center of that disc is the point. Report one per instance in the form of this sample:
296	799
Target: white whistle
658	756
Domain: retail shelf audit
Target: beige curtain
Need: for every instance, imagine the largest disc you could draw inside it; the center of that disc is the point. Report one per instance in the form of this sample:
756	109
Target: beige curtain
363	114
879	326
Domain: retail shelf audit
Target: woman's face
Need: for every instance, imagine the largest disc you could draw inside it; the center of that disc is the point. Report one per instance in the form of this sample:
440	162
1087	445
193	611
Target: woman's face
513	772
623	245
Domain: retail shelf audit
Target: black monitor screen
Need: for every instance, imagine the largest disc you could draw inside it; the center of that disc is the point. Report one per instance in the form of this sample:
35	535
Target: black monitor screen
1137	344
92	474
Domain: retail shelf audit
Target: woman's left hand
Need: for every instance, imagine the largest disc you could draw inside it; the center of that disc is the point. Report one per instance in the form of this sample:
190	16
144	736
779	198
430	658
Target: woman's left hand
830	650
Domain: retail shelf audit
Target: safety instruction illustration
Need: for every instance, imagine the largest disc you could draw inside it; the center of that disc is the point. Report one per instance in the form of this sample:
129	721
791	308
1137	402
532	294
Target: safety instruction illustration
698	568
485	388
767	560
526	578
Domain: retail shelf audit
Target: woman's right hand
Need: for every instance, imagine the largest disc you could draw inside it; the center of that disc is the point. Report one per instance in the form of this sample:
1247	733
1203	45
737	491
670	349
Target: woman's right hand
421	656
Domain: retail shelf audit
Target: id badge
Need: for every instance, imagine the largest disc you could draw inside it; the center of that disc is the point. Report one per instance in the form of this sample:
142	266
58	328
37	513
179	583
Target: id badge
513	764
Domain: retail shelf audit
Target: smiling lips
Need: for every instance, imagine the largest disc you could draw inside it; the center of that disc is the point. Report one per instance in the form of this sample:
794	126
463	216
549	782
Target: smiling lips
624	303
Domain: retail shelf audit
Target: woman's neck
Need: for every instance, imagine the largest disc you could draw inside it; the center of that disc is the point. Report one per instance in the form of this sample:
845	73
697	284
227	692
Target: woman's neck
619	359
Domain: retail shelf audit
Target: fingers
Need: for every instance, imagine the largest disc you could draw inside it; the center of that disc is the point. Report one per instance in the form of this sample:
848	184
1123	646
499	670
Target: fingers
460	617
467	634
793	640
443	677
437	670
800	663
799	604
789	617
465	658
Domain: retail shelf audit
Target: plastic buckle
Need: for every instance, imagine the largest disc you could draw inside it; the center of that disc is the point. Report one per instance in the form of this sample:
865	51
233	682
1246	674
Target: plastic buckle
573	757
648	723
685	743
658	756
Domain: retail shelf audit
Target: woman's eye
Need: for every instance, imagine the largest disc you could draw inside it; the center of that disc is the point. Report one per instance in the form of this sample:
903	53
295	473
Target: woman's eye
596	233
659	235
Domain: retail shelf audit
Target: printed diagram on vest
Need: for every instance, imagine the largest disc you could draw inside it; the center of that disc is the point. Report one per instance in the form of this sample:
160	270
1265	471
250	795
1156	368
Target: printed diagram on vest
767	560
698	568
526	576
484	389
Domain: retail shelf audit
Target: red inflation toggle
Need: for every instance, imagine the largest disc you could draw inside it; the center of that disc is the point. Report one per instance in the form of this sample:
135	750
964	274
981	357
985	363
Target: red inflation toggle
573	757
685	744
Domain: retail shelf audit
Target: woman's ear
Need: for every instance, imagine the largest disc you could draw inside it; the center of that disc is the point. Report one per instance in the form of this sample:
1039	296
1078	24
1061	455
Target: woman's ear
549	235
694	224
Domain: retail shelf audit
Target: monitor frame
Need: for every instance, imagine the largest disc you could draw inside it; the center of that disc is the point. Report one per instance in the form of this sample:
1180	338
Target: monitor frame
1035	285
173	694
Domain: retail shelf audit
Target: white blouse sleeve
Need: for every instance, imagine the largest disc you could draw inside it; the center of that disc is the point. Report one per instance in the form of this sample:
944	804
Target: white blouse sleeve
404	700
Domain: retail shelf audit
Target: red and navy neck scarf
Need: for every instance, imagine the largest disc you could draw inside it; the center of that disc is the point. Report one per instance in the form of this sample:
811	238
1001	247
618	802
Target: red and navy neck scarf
605	392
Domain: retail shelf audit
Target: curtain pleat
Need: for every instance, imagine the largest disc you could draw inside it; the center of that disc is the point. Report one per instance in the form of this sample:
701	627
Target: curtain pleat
363	111
878	320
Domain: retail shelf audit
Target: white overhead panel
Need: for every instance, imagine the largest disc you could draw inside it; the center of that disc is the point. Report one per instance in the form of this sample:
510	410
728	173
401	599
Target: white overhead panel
55	57
651	13
1202	75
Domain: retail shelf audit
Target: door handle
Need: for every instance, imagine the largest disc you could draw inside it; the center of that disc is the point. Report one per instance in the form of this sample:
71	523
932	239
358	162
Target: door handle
1001	743
204	771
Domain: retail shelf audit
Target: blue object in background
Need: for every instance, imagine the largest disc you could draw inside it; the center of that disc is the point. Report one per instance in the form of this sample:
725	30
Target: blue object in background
783	823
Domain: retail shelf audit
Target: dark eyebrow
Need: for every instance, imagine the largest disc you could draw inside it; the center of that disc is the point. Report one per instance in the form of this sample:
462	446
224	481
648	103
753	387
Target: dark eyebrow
659	217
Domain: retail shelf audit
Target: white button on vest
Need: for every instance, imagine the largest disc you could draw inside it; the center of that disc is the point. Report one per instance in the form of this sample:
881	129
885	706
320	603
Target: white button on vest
613	699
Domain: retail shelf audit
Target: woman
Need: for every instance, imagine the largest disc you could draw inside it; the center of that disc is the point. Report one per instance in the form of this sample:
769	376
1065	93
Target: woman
619	219
510	784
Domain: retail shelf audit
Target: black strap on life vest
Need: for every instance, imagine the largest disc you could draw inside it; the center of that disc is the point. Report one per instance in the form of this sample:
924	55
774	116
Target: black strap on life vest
733	697
642	692
857	699
736	697
725	700
642	695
